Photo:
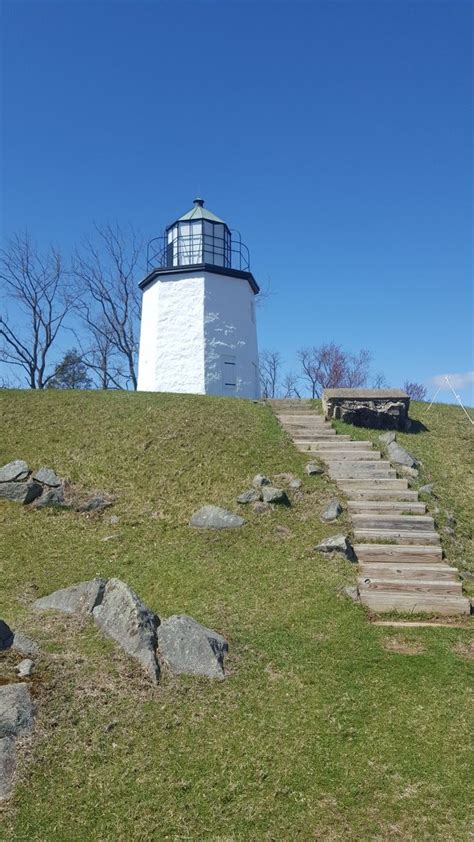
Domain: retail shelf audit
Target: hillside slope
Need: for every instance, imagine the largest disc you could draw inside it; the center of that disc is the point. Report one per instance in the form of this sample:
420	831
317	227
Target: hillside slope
323	727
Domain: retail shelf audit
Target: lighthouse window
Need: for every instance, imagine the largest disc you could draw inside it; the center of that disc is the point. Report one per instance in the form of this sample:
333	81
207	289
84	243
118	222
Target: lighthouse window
228	371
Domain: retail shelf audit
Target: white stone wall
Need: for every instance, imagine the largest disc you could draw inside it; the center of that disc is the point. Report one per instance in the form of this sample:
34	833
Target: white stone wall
171	357
198	333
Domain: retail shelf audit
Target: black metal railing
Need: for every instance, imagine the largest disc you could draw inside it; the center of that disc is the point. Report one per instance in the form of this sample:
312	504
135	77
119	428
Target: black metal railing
187	250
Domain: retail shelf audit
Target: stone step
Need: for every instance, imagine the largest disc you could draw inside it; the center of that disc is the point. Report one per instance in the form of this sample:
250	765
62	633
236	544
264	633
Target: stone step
295	417
379	507
376	494
398	553
337	455
400	536
412	523
402	571
310	434
382	602
410	586
392	484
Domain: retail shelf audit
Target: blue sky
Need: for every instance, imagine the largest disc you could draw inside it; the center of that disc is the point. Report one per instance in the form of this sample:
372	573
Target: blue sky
337	136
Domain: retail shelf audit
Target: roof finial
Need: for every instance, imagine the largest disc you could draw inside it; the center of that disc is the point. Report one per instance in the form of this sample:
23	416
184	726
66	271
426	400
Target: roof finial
199	202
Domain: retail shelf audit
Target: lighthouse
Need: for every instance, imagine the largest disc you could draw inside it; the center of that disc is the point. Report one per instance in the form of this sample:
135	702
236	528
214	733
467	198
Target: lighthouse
198	327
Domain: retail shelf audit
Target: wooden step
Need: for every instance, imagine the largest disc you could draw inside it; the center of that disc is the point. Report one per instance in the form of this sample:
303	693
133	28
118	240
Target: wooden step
398	553
378	494
417	523
361	471
410	586
368	507
400	536
393	571
382	602
375	484
338	454
344	445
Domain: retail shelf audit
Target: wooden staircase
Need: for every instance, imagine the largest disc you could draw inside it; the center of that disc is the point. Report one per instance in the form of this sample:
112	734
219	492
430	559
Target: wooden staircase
398	549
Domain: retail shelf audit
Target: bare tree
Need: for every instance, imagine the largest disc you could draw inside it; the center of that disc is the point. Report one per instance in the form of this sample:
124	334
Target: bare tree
37	284
415	390
291	386
379	381
106	272
269	365
329	366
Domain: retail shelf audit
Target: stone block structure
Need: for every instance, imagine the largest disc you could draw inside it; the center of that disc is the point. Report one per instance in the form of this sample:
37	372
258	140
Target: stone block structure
385	409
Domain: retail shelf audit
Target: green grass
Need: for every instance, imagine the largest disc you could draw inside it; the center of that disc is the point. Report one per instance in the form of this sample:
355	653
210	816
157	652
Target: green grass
319	732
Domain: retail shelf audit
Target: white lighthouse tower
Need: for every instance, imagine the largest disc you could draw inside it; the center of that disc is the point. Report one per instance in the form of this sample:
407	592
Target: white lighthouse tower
198	329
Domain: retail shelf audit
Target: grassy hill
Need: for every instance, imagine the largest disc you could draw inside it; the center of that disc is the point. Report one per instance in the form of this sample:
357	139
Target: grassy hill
324	728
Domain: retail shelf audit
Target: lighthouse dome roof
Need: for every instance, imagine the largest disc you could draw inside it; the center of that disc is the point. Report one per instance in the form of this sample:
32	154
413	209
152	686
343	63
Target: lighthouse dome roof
198	211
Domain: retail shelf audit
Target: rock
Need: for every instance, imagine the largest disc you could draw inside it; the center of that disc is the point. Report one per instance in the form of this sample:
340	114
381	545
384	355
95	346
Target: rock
426	489
261	508
312	469
14	471
114	520
20	492
54	497
295	484
388	437
47	477
283	531
399	456
213	517
6	636
123	617
448	530
24	645
25	668
405	471
466	575
7	766
260	480
274	495
95	504
332	510
249	496
450	520
16	710
187	647
352	592
80	598
336	544
285	478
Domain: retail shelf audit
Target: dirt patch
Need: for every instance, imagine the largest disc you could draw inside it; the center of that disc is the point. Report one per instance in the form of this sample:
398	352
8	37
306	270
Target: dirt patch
465	650
402	646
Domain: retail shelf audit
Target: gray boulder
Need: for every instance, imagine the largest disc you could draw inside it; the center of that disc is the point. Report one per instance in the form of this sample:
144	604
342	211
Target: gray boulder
24	645
426	489
20	492
7	766
249	496
47	477
187	647
123	617
260	480
399	456
6	636
295	484
261	508
352	592
388	437
80	598
312	469
95	504
336	544
16	710
332	510
25	668
213	517
16	470
274	495
53	497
